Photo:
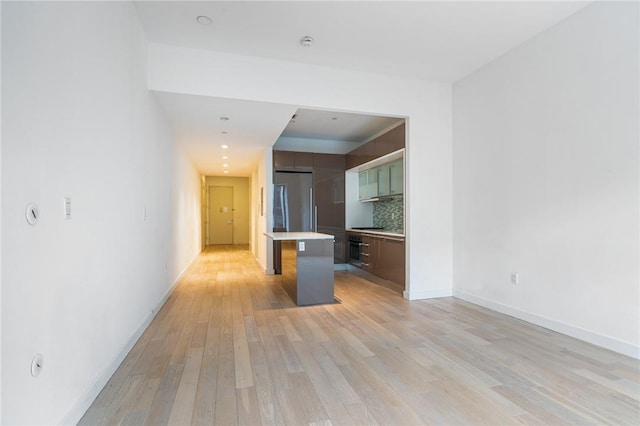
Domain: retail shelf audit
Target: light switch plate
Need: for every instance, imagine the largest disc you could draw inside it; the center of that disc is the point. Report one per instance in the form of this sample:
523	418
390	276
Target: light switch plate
32	214
301	246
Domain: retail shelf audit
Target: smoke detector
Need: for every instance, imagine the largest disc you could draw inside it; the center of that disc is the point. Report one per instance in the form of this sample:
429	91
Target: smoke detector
306	41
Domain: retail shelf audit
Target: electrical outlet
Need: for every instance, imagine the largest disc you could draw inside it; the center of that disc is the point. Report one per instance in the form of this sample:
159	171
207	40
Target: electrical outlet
515	278
301	246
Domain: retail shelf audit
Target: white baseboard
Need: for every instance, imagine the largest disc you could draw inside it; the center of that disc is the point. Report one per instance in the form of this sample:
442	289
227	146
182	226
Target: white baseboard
87	397
606	342
428	294
262	266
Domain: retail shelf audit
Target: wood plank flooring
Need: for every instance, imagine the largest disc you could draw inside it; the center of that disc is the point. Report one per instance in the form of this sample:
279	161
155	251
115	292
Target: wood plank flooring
230	347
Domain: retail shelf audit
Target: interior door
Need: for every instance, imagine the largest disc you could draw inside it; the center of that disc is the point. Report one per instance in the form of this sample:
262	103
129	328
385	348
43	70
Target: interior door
220	215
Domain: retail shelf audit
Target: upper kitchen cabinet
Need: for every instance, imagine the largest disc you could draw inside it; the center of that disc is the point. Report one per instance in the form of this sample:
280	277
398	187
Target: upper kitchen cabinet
389	142
368	184
396	177
283	159
293	160
303	160
384	180
380	178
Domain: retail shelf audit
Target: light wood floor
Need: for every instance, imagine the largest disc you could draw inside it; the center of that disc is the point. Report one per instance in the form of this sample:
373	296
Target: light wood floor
229	347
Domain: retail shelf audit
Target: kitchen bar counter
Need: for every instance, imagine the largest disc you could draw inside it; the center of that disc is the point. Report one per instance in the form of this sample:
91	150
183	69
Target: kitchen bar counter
307	265
296	236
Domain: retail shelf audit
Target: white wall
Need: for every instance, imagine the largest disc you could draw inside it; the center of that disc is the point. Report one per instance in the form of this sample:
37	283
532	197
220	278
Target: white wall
546	179
264	179
78	121
255	213
356	212
427	107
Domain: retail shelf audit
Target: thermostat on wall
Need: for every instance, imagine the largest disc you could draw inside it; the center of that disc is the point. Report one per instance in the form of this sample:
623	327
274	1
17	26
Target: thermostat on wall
32	214
67	208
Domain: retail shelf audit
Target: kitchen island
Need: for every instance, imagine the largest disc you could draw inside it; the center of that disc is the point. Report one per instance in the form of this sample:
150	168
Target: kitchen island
307	265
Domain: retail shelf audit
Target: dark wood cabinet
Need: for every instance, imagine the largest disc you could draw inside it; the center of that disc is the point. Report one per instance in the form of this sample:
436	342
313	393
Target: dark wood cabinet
368	253
339	243
329	197
283	159
384	144
328	184
384	257
390	142
293	160
303	160
391	264
329	161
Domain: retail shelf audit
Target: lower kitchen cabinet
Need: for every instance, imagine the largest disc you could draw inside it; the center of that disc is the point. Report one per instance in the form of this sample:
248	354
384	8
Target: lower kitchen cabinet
383	257
370	253
339	242
391	260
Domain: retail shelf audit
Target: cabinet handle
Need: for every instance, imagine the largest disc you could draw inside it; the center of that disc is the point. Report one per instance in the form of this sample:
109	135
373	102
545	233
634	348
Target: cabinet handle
311	209
364	245
364	264
364	254
394	239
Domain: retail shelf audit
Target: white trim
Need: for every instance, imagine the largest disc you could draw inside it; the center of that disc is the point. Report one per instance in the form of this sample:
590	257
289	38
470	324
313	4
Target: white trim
592	337
88	396
428	294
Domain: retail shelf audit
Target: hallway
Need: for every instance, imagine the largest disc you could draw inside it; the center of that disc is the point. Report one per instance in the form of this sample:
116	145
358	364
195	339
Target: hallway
230	347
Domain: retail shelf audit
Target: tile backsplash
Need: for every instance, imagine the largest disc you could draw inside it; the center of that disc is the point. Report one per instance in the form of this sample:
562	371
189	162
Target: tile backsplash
384	210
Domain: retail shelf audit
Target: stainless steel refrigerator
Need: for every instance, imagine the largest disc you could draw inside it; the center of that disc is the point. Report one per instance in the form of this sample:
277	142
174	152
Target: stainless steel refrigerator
294	207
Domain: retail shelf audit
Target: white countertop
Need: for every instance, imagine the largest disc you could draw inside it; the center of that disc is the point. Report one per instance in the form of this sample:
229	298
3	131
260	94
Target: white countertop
298	236
376	232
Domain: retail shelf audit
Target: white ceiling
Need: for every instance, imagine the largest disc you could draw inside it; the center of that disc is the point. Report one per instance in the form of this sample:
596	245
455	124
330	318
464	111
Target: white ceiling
339	126
252	127
441	41
331	132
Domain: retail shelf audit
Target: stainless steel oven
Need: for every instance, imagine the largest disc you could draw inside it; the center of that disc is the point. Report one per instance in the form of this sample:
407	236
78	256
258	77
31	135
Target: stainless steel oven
355	241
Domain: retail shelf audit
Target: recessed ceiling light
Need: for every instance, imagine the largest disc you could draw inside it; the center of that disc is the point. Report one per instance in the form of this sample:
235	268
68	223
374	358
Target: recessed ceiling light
224	157
204	20
225	146
224	118
306	41
225	165
226	171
